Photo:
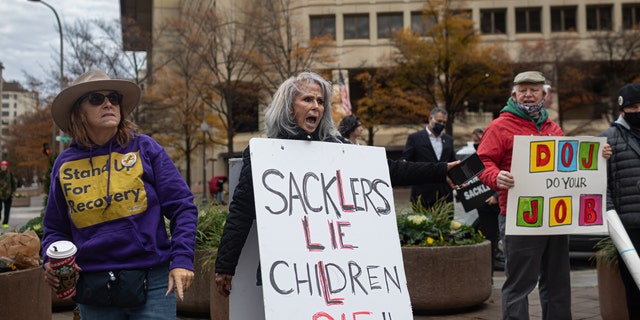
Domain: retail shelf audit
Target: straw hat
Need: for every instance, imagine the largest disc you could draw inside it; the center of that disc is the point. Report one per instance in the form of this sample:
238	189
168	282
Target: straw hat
91	81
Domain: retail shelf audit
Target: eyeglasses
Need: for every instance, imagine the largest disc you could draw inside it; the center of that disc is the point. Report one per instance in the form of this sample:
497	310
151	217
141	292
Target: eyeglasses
97	99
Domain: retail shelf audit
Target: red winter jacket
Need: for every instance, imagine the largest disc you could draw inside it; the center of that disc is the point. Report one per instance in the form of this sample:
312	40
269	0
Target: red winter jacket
496	147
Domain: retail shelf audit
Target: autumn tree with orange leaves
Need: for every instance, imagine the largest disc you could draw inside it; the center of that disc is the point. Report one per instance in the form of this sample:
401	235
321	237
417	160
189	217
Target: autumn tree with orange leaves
448	64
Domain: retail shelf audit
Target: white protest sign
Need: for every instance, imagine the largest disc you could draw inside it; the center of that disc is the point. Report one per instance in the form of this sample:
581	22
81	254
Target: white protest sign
327	232
560	186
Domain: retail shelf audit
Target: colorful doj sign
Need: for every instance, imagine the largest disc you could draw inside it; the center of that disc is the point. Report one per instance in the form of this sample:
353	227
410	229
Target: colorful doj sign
560	186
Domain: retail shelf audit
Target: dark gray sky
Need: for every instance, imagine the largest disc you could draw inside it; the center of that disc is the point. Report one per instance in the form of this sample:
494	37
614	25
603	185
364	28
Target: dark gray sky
29	38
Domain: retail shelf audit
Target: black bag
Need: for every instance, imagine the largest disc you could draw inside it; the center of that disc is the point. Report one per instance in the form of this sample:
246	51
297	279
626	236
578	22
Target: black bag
123	288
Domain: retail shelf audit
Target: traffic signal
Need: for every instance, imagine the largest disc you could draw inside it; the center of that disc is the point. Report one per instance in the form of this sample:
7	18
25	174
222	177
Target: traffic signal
45	149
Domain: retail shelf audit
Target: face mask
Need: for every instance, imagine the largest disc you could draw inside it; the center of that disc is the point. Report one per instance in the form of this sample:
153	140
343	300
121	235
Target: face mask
437	128
533	110
632	118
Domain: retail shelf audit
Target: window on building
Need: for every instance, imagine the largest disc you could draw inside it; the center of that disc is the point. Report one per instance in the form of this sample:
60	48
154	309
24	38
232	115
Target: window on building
5	96
5	114
388	24
528	20
563	19
5	121
323	25
5	105
418	23
493	21
245	104
630	15
356	26
599	17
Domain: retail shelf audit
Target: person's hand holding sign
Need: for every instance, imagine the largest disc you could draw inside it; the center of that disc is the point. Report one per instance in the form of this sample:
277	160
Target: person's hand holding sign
223	283
449	181
504	180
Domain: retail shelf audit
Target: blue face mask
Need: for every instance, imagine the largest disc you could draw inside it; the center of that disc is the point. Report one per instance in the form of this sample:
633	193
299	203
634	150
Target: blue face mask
437	128
533	110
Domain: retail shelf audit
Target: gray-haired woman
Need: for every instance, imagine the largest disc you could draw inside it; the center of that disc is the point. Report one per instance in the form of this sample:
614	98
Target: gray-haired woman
300	110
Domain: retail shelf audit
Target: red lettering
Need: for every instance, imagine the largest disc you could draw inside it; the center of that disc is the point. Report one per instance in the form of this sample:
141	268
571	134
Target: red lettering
567	154
311	246
590	214
560	211
345	207
322	314
343	316
543	155
532	215
588	162
325	287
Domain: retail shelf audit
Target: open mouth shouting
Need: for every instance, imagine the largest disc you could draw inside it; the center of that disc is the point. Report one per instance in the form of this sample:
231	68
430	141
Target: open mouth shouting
308	107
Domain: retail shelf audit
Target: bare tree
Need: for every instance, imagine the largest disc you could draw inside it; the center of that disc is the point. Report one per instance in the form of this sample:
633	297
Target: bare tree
232	84
174	108
619	52
284	50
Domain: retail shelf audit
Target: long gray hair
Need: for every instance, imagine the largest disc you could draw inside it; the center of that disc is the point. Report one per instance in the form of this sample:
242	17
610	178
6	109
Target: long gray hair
279	115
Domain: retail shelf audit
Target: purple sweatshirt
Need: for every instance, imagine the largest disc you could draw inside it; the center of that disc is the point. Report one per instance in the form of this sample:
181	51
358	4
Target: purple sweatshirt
111	203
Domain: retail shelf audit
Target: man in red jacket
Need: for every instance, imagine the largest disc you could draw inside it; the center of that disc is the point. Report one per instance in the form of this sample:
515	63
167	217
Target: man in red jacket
530	260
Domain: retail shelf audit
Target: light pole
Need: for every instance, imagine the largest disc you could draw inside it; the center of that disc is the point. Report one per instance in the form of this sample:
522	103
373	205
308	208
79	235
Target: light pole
204	127
53	136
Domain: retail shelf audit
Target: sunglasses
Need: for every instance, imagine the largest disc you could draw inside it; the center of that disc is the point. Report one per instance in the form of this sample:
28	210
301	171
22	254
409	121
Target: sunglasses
97	99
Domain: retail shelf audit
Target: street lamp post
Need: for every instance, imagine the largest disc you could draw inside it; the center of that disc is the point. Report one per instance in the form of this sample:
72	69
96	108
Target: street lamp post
53	136
204	127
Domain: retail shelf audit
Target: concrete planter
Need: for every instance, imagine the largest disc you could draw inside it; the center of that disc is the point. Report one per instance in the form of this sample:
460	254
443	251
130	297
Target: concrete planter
219	305
196	299
611	293
25	295
448	279
21	202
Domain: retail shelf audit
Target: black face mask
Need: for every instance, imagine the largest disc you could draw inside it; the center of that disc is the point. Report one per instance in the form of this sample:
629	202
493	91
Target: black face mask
437	128
632	118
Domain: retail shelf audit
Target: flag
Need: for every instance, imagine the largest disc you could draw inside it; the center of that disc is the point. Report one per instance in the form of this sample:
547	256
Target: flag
344	94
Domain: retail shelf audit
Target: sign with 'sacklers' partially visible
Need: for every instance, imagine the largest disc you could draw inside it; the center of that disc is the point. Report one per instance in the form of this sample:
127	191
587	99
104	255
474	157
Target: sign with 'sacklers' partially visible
327	233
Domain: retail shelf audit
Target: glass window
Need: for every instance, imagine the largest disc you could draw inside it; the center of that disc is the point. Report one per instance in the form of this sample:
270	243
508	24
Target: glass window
356	26
528	20
5	96
5	113
493	21
421	24
563	19
323	25
599	18
5	105
630	15
5	121
389	24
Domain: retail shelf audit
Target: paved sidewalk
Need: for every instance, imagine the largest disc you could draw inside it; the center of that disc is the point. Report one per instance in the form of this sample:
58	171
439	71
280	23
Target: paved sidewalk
584	302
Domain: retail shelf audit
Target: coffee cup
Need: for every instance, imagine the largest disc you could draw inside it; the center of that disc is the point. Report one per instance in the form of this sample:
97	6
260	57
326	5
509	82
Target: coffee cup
62	258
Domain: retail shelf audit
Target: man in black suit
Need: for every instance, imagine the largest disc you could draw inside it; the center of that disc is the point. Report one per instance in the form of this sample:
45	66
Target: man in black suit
431	145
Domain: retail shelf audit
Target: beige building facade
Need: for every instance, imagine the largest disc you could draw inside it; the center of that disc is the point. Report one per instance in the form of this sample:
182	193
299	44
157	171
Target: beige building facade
362	32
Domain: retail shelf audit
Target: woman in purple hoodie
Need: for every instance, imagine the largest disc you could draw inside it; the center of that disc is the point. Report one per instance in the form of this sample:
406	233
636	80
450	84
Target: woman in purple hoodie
111	192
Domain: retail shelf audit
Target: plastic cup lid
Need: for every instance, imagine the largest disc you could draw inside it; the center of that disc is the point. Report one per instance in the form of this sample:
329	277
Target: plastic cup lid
61	249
